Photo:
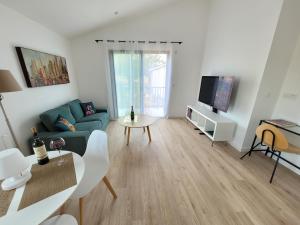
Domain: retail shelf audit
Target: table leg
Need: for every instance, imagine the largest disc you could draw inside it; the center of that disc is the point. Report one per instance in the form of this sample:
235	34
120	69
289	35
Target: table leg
81	211
125	130
128	135
62	209
149	134
110	188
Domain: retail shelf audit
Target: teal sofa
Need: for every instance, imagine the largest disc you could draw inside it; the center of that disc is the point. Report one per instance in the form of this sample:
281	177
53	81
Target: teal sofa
85	125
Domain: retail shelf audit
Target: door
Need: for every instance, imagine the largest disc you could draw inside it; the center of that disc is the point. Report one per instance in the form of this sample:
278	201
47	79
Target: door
140	80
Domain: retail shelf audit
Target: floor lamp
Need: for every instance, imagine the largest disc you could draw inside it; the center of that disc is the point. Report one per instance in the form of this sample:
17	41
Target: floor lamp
8	84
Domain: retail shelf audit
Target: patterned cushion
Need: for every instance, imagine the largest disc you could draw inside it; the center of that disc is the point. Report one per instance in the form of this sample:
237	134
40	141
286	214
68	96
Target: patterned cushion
63	124
49	117
88	108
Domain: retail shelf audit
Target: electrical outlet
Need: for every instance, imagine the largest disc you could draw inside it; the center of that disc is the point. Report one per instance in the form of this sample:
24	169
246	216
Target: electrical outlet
290	95
268	94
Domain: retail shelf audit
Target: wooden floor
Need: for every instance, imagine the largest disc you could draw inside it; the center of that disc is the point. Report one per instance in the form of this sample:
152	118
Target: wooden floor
179	179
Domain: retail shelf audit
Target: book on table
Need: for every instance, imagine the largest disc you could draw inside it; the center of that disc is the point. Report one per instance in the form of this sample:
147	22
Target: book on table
282	123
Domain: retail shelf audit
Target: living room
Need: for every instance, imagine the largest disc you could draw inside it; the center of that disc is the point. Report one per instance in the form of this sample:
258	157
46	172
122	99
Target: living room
165	173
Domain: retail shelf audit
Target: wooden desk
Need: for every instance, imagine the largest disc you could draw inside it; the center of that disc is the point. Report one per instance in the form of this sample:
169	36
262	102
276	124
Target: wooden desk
294	130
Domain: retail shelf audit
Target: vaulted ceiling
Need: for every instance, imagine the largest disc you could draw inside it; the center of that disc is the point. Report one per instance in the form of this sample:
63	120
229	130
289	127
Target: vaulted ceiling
73	17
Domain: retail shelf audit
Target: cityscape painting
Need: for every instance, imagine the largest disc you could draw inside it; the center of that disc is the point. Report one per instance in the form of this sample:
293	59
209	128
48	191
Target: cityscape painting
42	69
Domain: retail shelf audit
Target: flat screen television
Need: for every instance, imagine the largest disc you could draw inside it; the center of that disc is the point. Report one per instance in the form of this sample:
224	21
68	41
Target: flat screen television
216	91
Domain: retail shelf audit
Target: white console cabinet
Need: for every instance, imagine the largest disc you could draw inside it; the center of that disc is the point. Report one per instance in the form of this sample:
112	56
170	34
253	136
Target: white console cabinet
213	125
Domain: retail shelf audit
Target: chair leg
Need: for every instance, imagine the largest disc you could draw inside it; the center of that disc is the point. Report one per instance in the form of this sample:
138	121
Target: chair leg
275	167
80	211
267	150
108	185
149	134
272	154
252	147
248	153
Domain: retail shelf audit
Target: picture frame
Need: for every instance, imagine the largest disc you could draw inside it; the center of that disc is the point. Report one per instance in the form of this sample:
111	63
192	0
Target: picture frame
42	69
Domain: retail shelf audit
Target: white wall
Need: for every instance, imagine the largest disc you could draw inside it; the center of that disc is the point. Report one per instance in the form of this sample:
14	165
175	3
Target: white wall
288	104
238	42
183	21
283	47
24	107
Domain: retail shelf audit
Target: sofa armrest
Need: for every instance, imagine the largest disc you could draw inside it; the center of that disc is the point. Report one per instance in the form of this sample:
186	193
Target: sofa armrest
75	141
101	110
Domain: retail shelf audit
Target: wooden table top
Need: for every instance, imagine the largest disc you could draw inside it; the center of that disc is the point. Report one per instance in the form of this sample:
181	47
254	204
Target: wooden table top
140	120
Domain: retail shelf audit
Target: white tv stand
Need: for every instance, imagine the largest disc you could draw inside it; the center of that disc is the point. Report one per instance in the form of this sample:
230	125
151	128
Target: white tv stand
213	125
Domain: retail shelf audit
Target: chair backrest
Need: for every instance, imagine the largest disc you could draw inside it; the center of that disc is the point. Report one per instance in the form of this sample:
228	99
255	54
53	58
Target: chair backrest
96	163
270	135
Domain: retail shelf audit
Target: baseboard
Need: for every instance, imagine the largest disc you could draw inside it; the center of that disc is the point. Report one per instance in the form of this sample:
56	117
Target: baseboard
175	117
235	147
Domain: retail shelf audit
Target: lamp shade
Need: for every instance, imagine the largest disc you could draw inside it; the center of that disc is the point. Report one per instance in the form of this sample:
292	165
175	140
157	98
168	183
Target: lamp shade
8	82
12	163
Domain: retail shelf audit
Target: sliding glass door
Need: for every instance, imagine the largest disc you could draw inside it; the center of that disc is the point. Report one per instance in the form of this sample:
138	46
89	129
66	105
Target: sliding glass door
140	80
154	81
128	84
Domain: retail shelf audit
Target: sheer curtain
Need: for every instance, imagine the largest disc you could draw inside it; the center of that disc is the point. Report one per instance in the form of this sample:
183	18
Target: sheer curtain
138	75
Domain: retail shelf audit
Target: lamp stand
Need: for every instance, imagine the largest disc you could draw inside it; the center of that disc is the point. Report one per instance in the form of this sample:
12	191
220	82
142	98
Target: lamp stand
7	122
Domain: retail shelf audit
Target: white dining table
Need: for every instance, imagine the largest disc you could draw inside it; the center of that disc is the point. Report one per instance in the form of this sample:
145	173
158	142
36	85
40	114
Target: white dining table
40	211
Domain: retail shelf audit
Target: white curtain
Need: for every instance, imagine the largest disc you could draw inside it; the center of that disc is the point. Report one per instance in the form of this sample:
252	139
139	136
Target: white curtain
127	54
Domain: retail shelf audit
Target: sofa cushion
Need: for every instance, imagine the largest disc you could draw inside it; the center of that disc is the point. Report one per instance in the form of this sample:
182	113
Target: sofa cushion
95	117
75	141
63	124
88	126
88	108
76	109
49	117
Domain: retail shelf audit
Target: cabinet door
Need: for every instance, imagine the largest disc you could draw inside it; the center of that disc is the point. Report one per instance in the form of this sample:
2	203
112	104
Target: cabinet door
224	132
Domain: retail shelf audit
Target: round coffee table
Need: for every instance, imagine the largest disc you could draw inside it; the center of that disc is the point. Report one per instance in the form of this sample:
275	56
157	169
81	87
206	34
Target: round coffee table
140	121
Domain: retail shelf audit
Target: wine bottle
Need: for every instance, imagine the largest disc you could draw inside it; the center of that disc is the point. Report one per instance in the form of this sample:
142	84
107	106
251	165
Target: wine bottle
132	114
39	148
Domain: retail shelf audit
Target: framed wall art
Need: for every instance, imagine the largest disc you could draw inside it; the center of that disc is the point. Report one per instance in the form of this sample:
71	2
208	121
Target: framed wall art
42	69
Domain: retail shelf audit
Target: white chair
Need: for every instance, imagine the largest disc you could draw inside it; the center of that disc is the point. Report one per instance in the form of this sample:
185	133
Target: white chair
96	166
61	220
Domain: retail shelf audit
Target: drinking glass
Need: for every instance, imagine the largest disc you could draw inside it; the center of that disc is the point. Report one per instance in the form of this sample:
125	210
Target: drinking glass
57	144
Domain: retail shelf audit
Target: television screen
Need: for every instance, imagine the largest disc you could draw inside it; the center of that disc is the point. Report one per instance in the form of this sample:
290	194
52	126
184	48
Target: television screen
223	93
208	89
216	91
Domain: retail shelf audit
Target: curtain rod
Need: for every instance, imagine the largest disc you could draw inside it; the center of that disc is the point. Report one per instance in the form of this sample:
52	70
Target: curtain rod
140	42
